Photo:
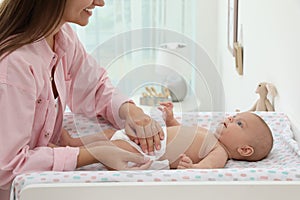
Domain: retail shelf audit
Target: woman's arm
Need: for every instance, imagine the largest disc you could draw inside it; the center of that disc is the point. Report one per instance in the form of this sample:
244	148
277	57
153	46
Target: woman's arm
98	97
111	156
114	155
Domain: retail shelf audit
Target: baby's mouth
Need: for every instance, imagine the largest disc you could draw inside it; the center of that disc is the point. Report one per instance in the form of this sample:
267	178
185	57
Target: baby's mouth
219	129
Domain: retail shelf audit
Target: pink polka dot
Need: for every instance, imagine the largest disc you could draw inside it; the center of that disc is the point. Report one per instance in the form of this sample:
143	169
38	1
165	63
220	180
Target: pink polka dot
264	178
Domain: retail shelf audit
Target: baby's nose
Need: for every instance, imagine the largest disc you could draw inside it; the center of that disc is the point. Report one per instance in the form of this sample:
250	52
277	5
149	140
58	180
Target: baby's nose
230	119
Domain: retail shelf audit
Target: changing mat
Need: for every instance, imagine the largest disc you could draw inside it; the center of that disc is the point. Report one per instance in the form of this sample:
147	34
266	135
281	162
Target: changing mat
282	164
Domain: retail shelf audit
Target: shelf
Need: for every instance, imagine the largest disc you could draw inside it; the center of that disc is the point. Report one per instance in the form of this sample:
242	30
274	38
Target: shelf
187	105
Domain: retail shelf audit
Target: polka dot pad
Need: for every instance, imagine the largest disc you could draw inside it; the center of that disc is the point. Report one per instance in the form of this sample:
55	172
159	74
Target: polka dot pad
283	163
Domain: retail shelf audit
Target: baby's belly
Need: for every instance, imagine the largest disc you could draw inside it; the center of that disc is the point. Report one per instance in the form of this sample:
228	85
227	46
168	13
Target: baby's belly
187	140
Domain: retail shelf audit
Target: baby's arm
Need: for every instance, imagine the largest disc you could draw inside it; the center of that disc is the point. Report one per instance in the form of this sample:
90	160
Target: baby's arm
217	158
167	109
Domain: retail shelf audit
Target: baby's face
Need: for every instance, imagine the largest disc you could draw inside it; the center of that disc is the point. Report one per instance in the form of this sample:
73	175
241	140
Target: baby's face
239	129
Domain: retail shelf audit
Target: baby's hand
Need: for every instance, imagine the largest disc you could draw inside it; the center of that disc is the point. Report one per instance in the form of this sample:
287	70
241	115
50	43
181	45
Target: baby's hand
168	115
167	109
168	105
185	162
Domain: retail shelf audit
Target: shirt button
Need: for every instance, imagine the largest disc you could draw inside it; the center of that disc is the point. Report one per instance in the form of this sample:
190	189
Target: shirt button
39	101
47	134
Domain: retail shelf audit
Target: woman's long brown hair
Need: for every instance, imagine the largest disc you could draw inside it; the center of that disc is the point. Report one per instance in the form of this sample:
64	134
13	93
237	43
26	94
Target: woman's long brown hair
26	21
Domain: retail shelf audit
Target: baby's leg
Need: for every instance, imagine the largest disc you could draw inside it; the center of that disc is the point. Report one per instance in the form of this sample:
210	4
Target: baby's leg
67	140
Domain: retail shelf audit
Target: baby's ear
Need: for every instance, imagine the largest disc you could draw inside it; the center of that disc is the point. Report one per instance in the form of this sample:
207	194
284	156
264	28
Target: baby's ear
245	150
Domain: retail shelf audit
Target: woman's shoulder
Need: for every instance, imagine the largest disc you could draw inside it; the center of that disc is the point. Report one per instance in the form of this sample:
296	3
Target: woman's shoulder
28	54
21	67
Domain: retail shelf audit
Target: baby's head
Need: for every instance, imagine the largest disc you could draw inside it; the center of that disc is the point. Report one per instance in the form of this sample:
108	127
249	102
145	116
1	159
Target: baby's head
245	136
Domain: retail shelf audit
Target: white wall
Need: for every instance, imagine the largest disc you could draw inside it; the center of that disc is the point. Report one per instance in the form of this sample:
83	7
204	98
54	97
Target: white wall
206	87
206	33
271	40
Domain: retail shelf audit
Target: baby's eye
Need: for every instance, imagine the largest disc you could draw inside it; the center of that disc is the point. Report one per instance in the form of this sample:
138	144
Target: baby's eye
239	123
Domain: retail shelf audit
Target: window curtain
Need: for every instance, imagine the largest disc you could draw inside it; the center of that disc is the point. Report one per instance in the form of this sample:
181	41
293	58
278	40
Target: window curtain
120	16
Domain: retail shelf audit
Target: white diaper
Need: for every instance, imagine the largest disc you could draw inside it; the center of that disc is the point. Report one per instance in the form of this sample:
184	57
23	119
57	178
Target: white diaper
156	164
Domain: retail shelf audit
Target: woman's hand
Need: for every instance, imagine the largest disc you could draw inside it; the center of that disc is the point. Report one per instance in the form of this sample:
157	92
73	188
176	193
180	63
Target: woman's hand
112	157
115	158
142	128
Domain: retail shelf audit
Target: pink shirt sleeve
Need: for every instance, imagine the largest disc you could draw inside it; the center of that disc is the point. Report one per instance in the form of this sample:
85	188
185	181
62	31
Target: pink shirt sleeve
17	137
65	158
91	90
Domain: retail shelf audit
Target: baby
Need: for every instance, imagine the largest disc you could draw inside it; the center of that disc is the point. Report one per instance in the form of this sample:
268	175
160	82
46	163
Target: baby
244	136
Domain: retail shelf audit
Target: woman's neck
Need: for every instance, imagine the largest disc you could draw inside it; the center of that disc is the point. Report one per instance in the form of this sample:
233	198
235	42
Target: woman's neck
50	41
51	38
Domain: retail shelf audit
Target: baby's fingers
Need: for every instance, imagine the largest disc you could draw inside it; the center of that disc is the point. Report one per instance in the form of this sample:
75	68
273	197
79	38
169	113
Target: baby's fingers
167	103
186	159
183	165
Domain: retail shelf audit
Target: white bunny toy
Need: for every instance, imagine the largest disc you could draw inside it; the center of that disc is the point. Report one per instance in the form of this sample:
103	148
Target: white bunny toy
263	103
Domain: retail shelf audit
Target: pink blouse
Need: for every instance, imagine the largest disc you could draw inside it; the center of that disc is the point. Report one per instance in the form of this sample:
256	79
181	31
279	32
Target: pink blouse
28	119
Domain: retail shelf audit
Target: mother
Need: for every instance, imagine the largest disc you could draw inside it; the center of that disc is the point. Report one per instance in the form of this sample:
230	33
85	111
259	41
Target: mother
43	68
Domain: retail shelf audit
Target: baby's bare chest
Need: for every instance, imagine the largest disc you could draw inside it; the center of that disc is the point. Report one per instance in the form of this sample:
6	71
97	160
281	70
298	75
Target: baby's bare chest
195	142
